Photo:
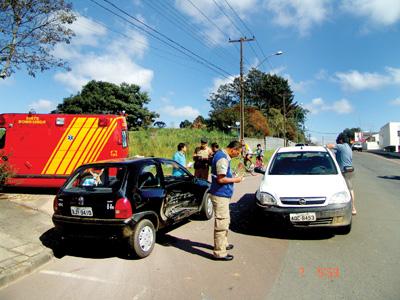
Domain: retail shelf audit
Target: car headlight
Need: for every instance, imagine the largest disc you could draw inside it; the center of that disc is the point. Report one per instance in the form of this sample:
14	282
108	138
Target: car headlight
340	197
265	198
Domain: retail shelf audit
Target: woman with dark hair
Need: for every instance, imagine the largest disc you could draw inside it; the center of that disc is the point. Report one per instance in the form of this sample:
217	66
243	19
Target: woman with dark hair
179	157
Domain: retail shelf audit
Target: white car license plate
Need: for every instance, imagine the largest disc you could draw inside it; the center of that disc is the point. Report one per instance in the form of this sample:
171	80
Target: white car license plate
81	211
303	217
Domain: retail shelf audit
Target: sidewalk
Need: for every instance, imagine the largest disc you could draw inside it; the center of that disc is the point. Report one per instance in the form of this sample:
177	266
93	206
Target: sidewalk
24	218
385	154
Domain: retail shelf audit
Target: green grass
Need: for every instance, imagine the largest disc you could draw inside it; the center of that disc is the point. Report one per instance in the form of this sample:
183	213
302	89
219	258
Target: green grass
164	142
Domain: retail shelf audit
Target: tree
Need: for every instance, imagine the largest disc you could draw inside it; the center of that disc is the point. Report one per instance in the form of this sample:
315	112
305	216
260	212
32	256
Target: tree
185	124
348	134
99	97
255	123
199	123
160	124
268	94
29	30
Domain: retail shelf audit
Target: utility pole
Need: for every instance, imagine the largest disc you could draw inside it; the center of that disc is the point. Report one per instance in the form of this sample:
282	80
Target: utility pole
241	106
284	121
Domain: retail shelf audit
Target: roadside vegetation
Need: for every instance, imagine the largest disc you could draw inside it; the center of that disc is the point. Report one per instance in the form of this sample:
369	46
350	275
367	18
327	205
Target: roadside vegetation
163	142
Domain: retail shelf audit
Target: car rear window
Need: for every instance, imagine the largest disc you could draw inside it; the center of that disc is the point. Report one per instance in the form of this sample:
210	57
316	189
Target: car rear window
100	178
303	163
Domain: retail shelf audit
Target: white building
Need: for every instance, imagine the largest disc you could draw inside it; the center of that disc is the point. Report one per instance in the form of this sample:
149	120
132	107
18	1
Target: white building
389	137
371	141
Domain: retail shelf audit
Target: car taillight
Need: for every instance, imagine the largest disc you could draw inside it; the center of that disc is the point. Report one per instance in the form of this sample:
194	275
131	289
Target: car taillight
123	209
55	204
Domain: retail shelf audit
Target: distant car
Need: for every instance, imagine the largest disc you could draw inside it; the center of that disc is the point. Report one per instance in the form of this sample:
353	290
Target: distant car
301	145
357	147
129	200
304	187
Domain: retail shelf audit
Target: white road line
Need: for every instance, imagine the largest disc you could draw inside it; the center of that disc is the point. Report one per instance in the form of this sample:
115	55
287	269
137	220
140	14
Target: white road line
75	276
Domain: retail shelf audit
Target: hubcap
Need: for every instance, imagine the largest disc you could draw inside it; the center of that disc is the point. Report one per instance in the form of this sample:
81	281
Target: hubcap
209	206
146	238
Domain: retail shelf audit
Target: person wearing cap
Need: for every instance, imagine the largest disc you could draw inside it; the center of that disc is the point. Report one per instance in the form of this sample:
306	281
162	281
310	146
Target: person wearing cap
201	157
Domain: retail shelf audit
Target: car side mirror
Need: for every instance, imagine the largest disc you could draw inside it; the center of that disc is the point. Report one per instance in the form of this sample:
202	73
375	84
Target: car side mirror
259	170
348	169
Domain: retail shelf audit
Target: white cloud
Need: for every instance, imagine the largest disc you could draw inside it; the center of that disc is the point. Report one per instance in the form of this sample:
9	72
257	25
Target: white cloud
115	69
395	102
318	105
115	62
299	86
87	31
321	75
342	106
379	12
42	105
354	80
178	112
299	14
217	82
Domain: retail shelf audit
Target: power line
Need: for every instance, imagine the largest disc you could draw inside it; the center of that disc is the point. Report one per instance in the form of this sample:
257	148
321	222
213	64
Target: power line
244	24
209	20
168	38
129	37
182	24
171	43
236	27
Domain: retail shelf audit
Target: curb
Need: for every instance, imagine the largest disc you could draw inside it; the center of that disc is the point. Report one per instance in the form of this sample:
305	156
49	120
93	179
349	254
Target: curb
25	268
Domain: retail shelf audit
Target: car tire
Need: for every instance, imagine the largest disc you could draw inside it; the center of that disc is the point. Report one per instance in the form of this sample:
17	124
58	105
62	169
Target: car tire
207	210
344	229
143	238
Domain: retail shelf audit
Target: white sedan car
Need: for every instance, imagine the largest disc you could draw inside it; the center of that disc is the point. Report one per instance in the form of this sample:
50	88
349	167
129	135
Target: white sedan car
304	187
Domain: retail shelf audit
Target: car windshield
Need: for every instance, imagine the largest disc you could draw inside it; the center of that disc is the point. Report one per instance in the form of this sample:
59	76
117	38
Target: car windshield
101	178
303	163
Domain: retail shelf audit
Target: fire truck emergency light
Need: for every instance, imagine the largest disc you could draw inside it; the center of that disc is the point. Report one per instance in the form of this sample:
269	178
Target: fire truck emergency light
60	121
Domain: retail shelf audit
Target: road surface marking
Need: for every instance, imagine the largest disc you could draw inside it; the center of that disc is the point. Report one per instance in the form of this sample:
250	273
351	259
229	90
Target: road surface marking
75	276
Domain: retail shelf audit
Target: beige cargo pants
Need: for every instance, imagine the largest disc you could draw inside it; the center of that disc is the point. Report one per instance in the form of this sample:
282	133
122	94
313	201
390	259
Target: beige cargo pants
221	225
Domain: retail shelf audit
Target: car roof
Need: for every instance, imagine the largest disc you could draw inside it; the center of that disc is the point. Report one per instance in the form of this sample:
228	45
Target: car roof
128	161
302	149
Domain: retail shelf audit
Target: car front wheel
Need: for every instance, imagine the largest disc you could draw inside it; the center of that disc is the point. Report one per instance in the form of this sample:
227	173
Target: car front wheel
143	239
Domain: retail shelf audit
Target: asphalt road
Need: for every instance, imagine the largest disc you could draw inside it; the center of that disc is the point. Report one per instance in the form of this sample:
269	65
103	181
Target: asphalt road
269	263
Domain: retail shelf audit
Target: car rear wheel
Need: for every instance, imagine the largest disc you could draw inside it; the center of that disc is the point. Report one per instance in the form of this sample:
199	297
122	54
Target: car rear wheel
207	210
143	239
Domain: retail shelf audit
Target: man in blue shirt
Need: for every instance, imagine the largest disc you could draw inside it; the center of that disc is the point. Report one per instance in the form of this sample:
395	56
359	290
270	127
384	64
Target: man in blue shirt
344	157
221	191
180	158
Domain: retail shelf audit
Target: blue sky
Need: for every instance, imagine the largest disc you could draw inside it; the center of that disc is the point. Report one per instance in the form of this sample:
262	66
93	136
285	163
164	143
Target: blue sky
341	57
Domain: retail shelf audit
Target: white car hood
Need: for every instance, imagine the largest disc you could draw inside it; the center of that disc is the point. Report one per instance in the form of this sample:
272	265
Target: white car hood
303	185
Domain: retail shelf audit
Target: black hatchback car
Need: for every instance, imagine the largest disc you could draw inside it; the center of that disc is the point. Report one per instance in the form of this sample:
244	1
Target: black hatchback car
129	199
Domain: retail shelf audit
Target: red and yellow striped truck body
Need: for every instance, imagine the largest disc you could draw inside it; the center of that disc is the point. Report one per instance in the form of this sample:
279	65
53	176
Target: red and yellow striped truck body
43	149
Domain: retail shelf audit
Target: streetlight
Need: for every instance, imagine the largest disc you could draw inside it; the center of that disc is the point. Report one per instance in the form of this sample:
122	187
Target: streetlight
273	54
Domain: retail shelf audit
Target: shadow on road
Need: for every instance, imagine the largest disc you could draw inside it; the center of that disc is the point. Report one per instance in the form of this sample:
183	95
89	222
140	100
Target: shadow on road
245	219
32	191
85	248
185	245
393	177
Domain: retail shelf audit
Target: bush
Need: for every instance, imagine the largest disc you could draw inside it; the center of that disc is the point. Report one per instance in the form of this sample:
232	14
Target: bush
5	170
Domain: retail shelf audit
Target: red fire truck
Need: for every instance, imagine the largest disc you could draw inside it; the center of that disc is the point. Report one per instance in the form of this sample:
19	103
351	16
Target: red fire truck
43	149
